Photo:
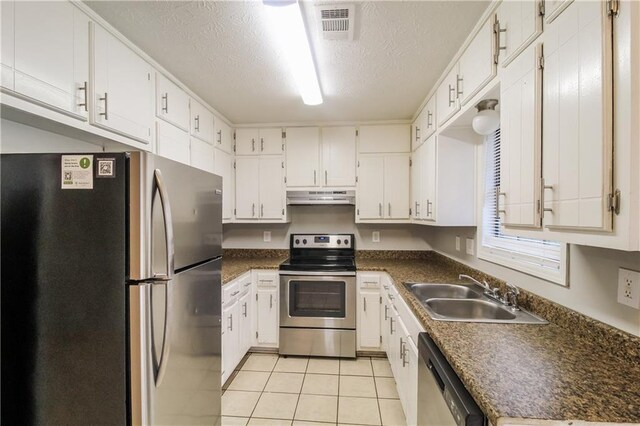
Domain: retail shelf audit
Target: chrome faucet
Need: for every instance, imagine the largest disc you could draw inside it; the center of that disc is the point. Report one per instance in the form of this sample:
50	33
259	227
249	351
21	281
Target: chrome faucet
492	292
511	297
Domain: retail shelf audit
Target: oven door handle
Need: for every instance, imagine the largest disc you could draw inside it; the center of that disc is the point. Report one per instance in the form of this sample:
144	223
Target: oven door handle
318	274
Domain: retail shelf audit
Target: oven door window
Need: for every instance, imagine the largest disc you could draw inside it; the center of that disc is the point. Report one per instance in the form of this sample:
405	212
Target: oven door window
317	299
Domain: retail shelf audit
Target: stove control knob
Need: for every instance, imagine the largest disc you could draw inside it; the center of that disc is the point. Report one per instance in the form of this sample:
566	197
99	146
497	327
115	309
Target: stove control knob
297	242
304	241
339	242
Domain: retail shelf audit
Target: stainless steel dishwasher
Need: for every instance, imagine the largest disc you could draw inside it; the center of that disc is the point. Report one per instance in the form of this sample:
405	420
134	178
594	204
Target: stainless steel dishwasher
442	398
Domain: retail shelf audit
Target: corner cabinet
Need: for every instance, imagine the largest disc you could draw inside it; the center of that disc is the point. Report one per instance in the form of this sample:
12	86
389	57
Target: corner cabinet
383	188
122	95
260	192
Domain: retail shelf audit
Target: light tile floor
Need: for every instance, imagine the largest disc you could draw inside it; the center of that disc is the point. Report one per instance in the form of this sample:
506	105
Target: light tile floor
298	391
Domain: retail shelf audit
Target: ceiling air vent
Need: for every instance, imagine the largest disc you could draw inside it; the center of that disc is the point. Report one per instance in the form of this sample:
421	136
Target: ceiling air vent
336	21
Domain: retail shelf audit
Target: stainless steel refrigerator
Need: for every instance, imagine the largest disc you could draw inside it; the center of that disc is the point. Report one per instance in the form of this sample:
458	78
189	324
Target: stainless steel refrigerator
110	267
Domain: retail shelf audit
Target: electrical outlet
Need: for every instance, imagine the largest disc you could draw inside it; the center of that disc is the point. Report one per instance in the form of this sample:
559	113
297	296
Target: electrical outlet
266	236
458	242
470	246
375	237
629	288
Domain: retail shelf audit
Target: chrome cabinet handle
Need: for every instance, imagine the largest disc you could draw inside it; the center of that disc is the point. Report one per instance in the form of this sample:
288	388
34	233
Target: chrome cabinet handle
386	312
390	325
459	82
391	297
106	106
404	356
389	209
85	103
253	144
261	210
365	304
235	292
314	176
380	209
197	120
326	178
496	39
498	194
401	347
261	144
451	90
244	312
417	133
386	287
253	209
270	301
417	212
219	136
429	119
230	322
247	284
429	204
165	98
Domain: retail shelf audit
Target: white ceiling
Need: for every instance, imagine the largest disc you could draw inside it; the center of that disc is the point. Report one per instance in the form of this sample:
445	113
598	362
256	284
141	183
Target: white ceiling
223	51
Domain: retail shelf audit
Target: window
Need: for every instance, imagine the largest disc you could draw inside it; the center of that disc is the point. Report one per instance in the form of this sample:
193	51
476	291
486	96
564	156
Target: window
542	258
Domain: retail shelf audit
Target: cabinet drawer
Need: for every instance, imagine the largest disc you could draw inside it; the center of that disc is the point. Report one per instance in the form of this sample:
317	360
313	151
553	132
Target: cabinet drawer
230	293
369	280
267	279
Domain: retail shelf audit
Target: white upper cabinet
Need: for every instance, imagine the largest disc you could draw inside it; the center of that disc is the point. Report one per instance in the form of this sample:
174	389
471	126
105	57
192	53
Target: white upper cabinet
201	122
383	187
577	117
338	156
477	66
428	120
519	24
384	138
122	95
521	140
303	157
259	141
51	54
201	155
260	192
223	135
7	9
416	129
447	103
172	103
223	166
416	182
172	142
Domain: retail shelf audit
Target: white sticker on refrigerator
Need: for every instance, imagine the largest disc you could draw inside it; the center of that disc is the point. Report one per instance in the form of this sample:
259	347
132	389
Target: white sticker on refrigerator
77	172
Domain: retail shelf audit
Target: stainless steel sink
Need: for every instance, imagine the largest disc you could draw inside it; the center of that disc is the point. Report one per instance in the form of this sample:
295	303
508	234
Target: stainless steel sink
449	291
463	303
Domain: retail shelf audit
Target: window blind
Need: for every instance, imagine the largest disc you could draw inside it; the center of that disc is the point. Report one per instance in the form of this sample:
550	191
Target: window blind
529	251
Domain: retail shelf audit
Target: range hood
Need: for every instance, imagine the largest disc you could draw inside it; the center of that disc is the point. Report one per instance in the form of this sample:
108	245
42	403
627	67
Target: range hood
305	198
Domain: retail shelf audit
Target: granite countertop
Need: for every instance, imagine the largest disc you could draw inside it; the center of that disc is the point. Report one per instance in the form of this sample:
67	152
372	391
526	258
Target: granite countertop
518	371
237	262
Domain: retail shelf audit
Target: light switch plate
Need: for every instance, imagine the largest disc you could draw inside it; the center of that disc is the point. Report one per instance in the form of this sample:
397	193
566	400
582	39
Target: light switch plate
458	242
375	237
266	236
470	246
629	287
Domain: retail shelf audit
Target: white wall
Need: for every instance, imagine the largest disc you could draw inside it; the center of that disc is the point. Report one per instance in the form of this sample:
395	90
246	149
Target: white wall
18	138
593	275
325	219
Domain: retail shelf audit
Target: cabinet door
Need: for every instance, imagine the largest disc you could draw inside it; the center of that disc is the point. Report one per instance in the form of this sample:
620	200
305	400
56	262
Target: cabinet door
477	66
416	130
303	156
271	141
402	378
521	22
230	340
447	96
393	348
247	141
416	182
271	184
247	189
51	48
384	324
428	119
267	314
338	156
224	135
369	319
411	358
384	138
521	139
224	167
429	179
172	103
577	116
202	155
396	186
370	193
244	324
7	10
201	122
123	95
172	142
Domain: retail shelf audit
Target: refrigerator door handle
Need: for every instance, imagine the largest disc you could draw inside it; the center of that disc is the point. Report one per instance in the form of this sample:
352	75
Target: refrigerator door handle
168	226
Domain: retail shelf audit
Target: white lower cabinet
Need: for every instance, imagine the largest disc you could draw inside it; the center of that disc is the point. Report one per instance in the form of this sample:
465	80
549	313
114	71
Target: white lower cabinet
368	316
245	317
230	333
267	311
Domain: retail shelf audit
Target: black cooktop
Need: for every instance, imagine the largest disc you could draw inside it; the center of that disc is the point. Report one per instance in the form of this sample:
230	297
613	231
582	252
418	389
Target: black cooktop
311	264
321	253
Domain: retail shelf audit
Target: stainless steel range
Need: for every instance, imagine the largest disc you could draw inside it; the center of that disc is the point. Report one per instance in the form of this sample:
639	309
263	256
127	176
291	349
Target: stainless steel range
318	296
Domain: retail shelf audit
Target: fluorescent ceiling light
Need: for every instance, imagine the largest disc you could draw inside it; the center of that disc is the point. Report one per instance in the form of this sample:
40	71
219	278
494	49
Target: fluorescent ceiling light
286	21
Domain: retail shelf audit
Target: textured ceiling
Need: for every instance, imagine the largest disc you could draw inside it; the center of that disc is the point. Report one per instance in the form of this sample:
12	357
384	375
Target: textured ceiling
224	51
